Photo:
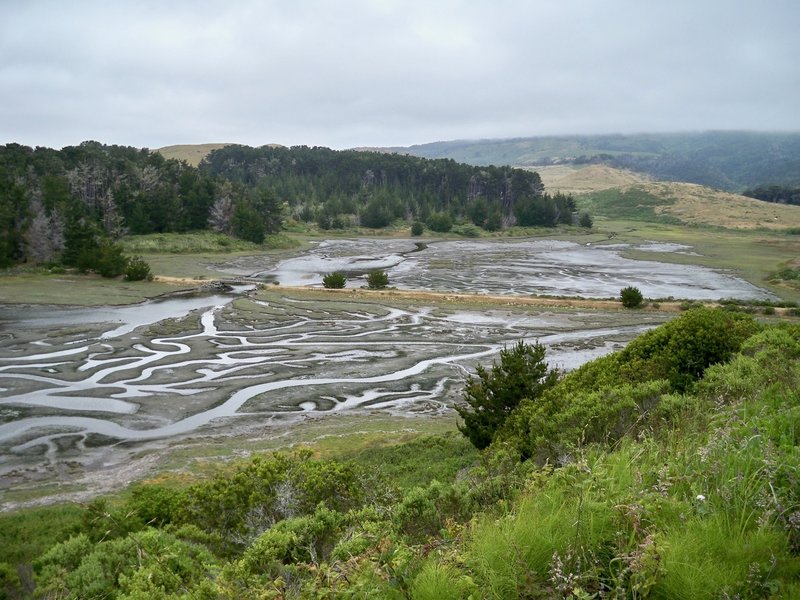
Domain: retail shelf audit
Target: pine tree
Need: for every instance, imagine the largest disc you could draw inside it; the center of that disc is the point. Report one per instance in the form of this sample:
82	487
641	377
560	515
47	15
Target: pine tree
490	399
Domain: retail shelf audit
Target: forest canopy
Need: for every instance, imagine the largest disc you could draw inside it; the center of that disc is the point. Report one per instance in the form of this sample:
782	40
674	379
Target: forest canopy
56	205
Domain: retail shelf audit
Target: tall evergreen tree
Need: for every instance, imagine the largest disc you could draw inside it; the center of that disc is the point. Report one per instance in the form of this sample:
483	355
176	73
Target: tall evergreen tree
522	373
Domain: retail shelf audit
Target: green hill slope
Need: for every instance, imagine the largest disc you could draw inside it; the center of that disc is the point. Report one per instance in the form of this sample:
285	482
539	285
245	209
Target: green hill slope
730	160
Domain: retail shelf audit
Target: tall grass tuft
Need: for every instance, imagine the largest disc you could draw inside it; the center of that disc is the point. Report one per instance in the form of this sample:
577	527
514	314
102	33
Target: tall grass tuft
439	581
707	559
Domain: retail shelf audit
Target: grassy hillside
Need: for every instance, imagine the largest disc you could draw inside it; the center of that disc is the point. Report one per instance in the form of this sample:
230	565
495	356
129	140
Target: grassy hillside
688	204
584	179
191	153
194	153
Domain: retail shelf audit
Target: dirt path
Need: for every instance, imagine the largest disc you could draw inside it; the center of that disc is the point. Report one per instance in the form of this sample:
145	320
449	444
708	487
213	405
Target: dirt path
427	296
490	299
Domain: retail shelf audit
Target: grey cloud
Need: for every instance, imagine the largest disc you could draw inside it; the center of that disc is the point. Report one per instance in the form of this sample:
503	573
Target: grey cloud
363	72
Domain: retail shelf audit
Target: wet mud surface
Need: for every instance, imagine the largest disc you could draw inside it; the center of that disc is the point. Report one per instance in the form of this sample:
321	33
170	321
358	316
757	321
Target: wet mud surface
79	400
92	398
515	267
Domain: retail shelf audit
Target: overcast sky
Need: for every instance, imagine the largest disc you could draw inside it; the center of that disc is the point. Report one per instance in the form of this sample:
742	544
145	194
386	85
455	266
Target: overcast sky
347	73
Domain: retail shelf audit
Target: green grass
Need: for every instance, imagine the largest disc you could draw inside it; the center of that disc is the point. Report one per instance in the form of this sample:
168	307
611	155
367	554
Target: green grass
633	204
341	436
416	460
200	242
28	533
703	557
74	289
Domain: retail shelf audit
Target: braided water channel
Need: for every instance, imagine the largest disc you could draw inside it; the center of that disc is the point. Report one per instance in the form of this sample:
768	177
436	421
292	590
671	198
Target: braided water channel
79	388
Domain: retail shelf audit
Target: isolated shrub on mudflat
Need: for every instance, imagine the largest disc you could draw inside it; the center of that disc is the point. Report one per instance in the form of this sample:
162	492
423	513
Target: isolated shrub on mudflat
440	222
631	297
334	281
377	280
109	261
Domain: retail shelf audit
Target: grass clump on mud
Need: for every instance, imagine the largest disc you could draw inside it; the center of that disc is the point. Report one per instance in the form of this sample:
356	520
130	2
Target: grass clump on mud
671	472
200	242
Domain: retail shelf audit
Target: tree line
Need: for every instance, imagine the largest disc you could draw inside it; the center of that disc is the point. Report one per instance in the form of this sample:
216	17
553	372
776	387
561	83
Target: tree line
61	205
779	194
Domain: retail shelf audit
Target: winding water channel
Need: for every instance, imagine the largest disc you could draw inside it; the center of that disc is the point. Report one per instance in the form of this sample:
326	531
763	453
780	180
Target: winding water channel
77	383
518	267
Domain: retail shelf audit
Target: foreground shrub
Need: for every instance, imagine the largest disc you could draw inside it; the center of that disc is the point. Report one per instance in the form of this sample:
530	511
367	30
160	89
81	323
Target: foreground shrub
681	350
615	395
560	423
521	373
266	490
145	564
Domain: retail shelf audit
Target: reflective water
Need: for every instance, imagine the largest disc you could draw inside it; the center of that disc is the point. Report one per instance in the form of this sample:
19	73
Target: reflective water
75	380
540	267
271	358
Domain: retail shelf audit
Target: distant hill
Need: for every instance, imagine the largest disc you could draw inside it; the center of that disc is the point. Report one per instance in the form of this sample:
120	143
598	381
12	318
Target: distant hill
191	153
728	160
583	179
194	153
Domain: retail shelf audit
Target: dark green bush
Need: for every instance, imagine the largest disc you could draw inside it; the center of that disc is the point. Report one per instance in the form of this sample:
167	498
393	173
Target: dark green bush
614	395
631	297
561	421
377	280
267	489
467	230
375	214
417	228
335	280
138	270
682	349
440	222
105	258
522	373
